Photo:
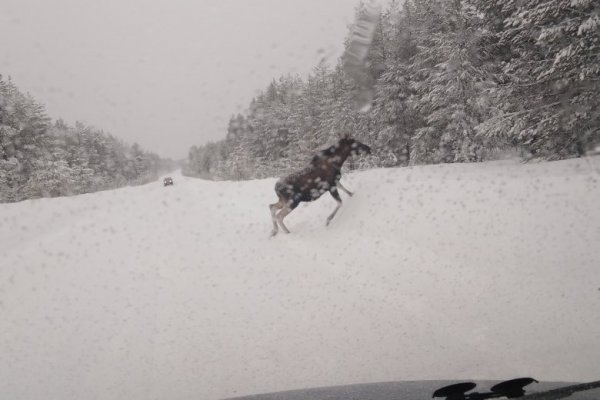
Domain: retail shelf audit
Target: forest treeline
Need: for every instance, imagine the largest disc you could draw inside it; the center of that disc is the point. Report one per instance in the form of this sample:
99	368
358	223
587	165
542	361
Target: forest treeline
453	81
42	158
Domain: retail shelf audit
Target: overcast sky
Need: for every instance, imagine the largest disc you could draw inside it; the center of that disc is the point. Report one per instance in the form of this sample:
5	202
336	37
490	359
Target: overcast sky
164	73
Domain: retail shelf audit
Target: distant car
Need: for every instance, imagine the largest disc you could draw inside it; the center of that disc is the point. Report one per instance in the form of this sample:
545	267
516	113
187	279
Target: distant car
168	181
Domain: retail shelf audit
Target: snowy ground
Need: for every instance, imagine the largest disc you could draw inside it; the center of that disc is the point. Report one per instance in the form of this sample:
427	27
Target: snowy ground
486	271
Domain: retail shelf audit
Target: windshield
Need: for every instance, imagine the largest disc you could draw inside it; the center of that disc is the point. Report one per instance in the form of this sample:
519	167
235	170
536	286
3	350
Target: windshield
214	199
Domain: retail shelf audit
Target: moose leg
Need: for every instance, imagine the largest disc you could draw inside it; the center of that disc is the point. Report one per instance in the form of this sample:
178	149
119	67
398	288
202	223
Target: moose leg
282	214
274	207
349	193
336	196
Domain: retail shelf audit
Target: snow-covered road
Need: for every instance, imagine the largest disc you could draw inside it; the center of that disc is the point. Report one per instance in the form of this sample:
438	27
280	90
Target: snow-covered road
455	271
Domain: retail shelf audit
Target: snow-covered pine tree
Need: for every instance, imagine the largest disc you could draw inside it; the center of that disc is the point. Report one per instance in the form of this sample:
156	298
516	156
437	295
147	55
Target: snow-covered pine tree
450	80
551	100
23	139
394	117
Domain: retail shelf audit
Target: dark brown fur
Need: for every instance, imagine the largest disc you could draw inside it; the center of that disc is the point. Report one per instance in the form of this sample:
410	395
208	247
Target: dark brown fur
321	176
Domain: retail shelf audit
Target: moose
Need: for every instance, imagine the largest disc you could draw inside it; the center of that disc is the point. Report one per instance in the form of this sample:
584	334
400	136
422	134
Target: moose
322	175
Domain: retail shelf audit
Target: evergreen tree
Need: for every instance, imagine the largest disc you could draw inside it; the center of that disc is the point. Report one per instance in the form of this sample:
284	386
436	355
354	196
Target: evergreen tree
396	118
451	80
550	100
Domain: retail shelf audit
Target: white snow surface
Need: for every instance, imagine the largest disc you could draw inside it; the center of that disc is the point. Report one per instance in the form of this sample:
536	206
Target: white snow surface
479	271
